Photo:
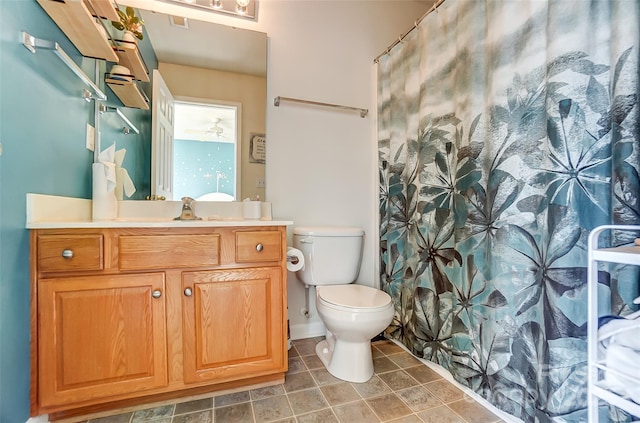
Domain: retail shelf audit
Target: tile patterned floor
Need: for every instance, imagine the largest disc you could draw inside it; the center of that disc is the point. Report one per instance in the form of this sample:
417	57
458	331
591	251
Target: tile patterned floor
402	390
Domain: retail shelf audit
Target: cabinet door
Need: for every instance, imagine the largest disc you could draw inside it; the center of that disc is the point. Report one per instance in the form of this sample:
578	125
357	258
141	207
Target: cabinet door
100	336
233	324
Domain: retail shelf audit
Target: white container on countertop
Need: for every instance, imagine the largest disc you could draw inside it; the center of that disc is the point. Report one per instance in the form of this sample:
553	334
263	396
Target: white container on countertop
251	210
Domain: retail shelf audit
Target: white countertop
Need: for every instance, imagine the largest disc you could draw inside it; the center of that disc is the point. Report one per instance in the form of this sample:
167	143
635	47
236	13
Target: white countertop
53	212
67	224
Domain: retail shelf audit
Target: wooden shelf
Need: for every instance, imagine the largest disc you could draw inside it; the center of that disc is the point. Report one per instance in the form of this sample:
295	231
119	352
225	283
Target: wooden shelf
105	9
129	56
128	93
75	20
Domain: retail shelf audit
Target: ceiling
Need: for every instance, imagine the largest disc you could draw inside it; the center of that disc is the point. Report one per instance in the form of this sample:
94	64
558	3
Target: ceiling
203	122
206	45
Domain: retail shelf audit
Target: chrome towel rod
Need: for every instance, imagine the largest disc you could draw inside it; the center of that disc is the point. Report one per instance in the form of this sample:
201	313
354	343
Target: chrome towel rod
363	112
125	130
32	43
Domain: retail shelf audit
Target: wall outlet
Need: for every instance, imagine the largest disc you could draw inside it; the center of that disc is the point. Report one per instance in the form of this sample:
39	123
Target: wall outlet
91	136
260	183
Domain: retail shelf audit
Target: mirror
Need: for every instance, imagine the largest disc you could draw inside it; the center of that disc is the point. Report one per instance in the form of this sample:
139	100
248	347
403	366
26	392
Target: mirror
204	62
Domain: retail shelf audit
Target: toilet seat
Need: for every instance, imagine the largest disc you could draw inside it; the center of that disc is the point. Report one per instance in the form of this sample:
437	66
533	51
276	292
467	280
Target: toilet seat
353	298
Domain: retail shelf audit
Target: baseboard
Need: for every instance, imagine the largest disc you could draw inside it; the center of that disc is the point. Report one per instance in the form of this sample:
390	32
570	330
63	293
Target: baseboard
307	330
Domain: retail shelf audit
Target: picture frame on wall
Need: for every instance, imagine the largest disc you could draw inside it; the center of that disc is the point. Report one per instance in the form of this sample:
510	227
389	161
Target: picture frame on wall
257	148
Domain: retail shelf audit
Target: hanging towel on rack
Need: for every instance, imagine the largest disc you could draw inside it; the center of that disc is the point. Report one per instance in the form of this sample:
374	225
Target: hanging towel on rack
124	184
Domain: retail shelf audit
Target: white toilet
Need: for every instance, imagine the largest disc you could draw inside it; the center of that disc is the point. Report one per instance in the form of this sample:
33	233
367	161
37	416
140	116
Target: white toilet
352	314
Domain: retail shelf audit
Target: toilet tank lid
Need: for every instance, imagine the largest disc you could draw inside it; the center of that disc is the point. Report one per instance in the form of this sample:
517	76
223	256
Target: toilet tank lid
328	231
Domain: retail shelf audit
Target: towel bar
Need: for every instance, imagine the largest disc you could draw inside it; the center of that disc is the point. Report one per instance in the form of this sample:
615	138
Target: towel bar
276	102
32	43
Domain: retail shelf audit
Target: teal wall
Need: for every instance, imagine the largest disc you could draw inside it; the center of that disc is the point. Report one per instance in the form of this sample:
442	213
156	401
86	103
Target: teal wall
209	158
42	130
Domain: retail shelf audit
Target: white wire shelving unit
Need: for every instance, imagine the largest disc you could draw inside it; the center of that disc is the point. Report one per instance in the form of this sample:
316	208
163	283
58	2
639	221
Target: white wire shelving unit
597	366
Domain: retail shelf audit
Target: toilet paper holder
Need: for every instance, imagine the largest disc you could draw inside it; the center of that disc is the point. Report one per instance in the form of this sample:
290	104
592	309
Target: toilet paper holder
295	259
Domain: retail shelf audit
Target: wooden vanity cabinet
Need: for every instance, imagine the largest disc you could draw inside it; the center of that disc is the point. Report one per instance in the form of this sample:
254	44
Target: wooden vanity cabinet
133	315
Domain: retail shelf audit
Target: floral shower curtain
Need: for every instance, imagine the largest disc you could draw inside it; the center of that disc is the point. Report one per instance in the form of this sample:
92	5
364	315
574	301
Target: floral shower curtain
508	129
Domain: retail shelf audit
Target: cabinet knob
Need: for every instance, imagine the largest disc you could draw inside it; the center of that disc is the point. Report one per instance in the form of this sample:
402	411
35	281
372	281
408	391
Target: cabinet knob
157	293
66	253
259	247
188	292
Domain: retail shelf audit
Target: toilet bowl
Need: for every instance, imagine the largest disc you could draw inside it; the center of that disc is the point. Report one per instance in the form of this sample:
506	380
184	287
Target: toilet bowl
352	313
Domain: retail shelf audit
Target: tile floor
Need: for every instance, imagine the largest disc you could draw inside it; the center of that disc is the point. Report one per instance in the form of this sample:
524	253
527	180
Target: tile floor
402	390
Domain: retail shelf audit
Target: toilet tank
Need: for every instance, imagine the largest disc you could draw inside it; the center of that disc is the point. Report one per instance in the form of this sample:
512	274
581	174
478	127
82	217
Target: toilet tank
332	255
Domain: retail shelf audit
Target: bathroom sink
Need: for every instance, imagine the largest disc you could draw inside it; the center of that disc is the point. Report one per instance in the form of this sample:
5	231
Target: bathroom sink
158	211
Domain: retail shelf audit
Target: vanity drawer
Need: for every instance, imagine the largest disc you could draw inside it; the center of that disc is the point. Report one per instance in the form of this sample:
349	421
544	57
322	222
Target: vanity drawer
254	246
139	252
61	253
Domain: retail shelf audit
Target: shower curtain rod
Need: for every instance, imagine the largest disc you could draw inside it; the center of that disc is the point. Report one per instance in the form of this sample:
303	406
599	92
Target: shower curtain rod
402	37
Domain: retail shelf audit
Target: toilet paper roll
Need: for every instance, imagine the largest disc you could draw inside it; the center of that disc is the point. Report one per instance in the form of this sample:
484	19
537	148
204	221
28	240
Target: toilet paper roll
295	254
104	204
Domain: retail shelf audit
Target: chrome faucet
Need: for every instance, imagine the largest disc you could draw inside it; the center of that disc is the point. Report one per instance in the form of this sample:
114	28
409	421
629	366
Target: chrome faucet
187	210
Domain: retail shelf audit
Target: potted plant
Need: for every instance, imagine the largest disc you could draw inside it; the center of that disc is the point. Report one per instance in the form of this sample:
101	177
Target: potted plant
130	24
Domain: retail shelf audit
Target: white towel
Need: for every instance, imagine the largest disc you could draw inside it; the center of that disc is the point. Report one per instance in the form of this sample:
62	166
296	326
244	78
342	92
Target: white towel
625	361
107	158
124	184
619	344
625	332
